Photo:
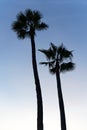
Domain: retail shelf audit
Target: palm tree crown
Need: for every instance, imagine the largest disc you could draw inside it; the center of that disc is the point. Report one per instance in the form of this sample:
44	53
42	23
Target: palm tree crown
27	23
58	54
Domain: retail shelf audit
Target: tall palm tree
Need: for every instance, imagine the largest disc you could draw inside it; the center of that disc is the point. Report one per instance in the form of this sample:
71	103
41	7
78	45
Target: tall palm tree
59	59
26	25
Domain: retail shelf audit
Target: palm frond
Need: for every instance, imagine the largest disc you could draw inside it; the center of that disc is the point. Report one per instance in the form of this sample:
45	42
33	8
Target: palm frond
50	53
44	63
29	14
64	54
21	17
18	28
52	70
47	53
37	16
21	34
50	63
54	48
59	49
67	67
42	26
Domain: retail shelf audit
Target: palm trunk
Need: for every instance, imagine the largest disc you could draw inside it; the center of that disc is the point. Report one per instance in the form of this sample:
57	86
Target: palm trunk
60	97
38	88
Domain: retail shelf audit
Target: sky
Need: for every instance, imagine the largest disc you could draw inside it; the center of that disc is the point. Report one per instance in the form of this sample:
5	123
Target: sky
67	20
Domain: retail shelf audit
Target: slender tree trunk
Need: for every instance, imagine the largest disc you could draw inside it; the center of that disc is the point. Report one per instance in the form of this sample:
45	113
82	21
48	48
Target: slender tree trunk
60	98
38	88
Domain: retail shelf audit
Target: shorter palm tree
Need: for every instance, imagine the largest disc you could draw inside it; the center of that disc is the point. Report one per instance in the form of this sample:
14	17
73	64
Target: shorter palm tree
59	59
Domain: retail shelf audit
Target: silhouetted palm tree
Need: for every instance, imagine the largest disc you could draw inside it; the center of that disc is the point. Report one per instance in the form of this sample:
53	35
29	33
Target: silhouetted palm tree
26	25
59	59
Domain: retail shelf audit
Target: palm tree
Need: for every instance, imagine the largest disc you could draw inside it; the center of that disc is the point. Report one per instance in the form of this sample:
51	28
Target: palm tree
26	25
59	59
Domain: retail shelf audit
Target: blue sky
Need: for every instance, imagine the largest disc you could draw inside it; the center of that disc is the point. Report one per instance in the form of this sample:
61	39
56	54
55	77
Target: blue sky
67	20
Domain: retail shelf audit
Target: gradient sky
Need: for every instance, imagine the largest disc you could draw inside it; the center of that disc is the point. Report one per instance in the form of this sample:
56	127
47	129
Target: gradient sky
67	20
